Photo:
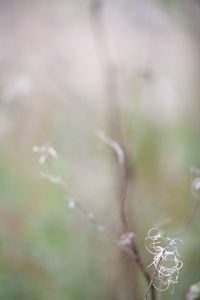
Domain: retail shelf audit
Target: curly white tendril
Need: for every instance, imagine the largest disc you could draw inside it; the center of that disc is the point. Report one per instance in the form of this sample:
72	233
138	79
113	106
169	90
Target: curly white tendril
166	259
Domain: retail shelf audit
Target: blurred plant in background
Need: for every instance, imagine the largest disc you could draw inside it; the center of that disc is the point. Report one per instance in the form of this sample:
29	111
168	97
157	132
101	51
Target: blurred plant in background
194	292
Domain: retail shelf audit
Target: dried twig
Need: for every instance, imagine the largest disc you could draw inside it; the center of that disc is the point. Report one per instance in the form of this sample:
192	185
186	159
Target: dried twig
73	202
121	160
123	176
110	74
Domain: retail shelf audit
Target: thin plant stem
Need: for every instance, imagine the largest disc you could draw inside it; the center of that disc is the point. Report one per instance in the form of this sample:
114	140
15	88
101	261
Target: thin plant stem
110	75
121	161
95	222
132	251
123	176
189	220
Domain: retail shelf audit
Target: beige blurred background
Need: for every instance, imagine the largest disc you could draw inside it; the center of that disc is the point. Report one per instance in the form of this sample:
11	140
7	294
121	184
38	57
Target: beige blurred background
65	76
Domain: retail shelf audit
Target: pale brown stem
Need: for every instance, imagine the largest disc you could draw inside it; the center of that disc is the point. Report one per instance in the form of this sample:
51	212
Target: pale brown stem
130	251
123	176
112	90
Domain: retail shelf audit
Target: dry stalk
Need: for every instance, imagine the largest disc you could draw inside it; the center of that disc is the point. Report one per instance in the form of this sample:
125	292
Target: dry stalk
110	74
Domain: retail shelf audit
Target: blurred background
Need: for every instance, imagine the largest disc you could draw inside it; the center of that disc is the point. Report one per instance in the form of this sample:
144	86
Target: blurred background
67	70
